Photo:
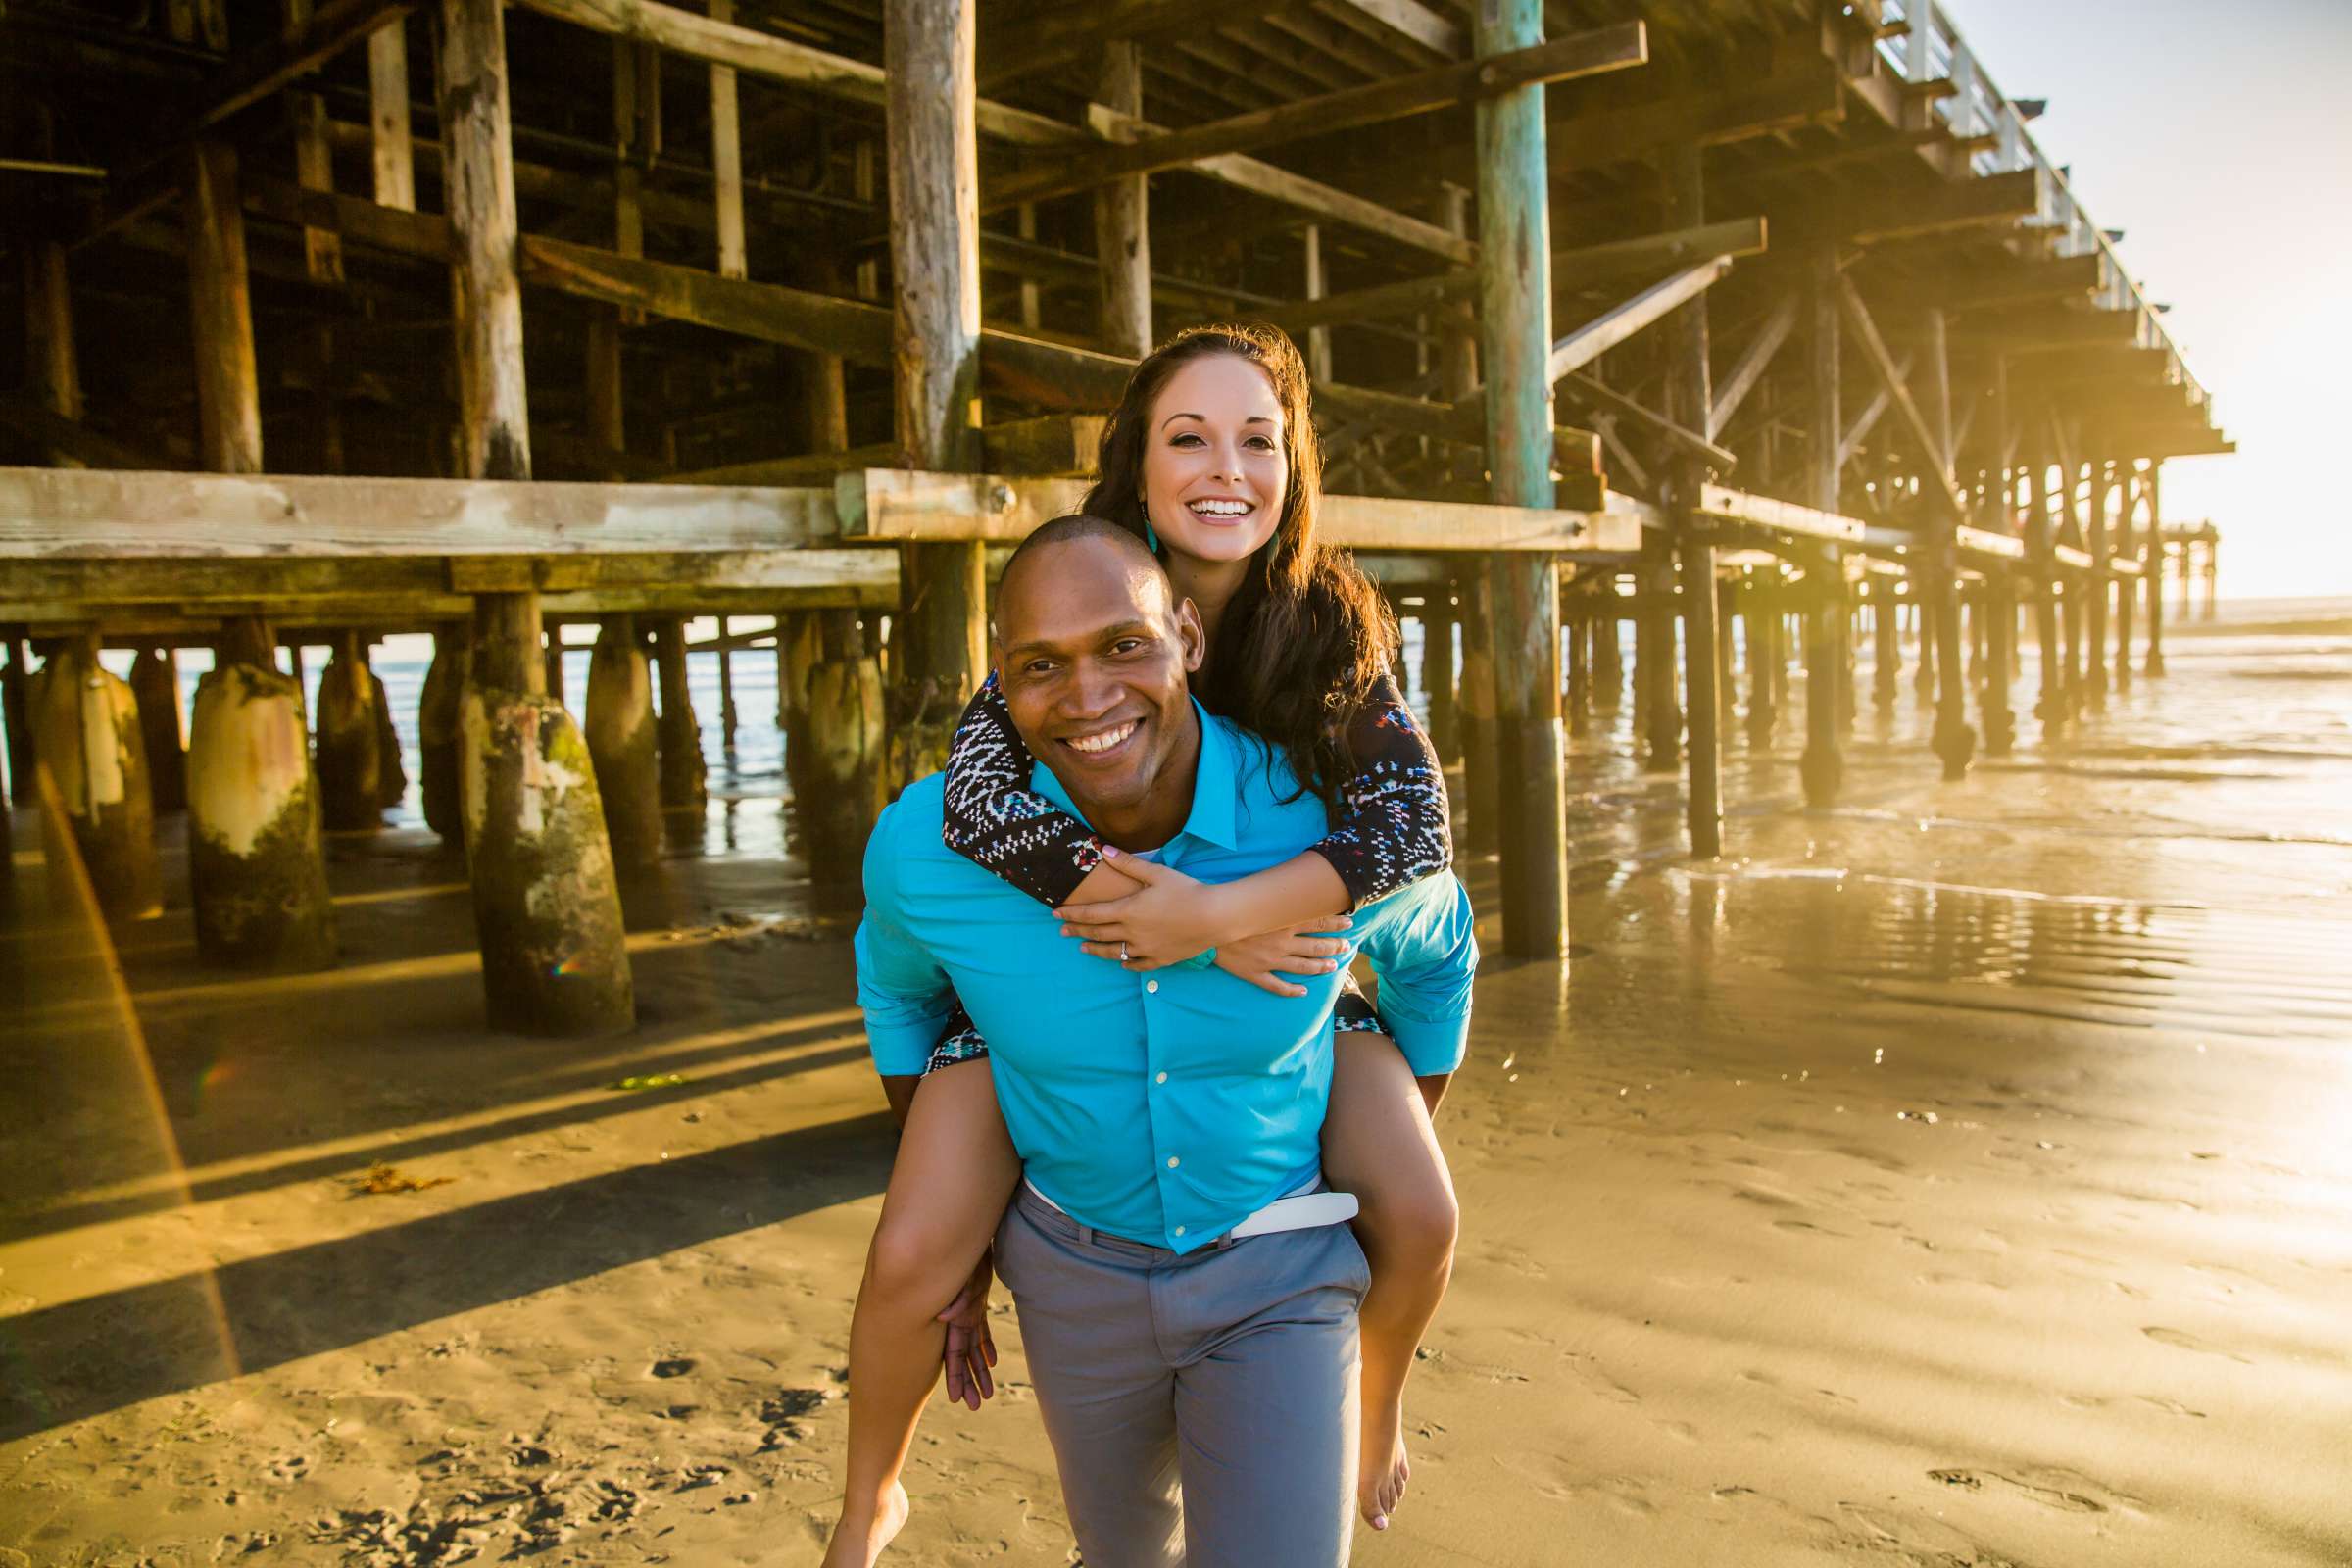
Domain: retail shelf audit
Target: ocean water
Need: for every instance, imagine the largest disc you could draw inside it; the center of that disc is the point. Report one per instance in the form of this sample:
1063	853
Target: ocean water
2264	690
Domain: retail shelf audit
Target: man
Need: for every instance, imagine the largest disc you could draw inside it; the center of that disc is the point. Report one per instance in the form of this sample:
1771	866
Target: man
1190	1318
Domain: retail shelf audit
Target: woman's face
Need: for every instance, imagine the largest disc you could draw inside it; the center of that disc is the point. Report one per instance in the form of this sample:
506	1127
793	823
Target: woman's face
1215	465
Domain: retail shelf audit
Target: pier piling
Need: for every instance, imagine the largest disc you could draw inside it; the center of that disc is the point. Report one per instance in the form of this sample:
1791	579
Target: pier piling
87	725
257	868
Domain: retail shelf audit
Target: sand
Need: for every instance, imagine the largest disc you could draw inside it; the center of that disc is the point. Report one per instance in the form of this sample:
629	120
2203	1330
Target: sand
1959	1178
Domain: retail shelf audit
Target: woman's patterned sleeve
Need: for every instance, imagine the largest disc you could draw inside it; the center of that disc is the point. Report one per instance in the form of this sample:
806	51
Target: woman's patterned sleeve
995	821
1395	826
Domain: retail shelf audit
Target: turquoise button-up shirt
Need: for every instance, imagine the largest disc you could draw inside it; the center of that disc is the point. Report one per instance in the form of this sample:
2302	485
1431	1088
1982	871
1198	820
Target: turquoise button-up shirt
1168	1107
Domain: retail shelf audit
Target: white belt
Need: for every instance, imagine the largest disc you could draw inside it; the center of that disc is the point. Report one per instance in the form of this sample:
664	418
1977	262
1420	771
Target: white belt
1303	1210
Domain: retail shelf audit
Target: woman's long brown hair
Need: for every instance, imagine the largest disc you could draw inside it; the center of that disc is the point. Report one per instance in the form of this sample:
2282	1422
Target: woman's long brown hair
1306	639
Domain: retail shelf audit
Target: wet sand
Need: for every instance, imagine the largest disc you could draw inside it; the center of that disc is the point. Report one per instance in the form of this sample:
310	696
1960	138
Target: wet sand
1958	1178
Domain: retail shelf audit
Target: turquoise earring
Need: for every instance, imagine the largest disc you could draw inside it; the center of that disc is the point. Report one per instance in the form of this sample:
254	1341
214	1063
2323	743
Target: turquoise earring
1151	534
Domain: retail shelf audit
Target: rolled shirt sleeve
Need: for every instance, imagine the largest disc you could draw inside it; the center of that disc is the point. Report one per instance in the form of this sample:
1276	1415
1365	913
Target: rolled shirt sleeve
906	994
1422	943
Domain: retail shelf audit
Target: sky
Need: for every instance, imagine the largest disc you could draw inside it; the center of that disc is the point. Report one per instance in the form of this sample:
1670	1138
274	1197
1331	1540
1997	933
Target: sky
2218	138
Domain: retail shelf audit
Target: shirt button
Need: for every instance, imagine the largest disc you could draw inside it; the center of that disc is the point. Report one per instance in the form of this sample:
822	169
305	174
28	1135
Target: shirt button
1171	1162
1160	1079
1180	1230
1150	984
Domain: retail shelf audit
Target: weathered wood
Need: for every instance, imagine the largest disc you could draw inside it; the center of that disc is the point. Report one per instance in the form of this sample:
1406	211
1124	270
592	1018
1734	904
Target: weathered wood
313	160
1689	398
726	160
1613	326
1318	339
1580	55
883	504
477	168
1522	631
1123	227
2104	484
684	776
939	655
228	403
391	152
89	741
1372	304
1080	30
60	513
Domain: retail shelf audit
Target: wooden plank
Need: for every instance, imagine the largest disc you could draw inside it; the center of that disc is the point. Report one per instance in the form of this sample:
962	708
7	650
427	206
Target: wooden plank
104	513
1754	360
768	312
1579	55
422	235
1613	326
1965	204
891	505
1122	223
279	581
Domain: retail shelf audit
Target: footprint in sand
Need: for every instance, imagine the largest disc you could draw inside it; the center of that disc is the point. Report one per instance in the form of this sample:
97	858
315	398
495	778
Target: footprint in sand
2180	1340
2169	1406
2048	1496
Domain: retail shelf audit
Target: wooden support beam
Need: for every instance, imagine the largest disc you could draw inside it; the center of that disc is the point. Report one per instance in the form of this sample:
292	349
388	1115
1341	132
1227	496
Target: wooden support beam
1613	326
1599	131
327	31
935	263
1374	304
1826	628
1689	402
726	160
228	401
1583	389
313	160
1754	360
774	59
1965	204
1522	630
478	175
1850	443
70	443
1079	31
1580	55
1588	265
52	368
1122	221
1932	444
391	152
1310	196
891	505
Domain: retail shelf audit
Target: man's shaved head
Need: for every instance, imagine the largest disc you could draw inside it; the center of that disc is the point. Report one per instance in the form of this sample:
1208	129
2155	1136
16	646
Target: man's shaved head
1068	529
1094	646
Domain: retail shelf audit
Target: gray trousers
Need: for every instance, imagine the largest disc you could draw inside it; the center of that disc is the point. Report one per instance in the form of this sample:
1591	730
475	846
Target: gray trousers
1203	1408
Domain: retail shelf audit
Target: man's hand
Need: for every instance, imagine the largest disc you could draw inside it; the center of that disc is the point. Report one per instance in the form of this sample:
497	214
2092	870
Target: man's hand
971	1350
1168	919
1262	960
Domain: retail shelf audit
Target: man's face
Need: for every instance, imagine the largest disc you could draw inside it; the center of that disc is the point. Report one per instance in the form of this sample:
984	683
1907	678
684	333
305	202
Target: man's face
1094	650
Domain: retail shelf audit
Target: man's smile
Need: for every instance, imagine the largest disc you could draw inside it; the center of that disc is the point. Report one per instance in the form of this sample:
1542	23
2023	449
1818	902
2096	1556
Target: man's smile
1099	744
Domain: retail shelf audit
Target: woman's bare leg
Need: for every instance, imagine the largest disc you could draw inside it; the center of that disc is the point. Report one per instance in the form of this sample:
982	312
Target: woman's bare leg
955	1173
1379	1144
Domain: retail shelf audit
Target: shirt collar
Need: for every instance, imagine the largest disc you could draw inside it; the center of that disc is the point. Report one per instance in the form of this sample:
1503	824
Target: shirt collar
1216	784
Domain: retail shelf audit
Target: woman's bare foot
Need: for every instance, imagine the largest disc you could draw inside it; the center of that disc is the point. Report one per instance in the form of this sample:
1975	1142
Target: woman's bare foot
1382	1469
858	1539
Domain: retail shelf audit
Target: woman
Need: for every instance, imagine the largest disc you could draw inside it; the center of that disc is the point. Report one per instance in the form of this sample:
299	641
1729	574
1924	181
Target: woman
1211	458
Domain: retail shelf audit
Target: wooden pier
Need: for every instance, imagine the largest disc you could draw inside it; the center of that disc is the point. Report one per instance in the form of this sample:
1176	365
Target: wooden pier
1761	325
